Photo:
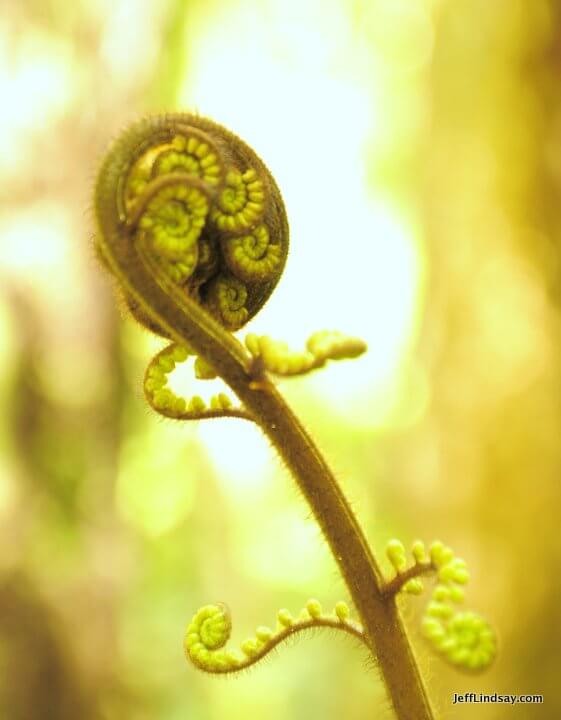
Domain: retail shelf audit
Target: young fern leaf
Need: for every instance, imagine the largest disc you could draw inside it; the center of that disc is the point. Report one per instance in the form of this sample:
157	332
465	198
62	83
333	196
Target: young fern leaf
210	629
462	638
276	357
165	402
192	226
203	211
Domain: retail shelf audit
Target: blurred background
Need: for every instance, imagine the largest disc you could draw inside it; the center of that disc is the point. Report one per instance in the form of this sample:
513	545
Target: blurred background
418	147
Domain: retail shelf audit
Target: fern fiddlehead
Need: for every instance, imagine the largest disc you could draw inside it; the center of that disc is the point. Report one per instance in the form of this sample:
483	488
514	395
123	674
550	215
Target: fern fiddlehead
203	207
192	226
191	285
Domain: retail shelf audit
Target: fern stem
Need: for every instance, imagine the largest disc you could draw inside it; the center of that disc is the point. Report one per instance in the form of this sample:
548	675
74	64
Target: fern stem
379	614
186	322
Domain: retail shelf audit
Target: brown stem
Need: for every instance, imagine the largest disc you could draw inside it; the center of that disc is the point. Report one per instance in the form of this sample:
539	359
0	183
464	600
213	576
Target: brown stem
393	586
186	322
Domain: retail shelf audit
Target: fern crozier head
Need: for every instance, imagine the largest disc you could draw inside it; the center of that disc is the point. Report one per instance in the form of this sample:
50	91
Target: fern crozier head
204	208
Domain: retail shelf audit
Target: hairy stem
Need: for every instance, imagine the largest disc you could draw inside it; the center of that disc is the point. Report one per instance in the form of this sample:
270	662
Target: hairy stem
379	614
393	586
187	322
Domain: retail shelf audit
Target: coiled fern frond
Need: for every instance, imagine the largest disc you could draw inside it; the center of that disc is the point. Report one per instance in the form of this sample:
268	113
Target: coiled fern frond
462	638
210	629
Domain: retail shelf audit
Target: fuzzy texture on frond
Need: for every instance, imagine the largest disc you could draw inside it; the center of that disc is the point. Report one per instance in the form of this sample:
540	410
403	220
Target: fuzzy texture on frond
204	208
210	629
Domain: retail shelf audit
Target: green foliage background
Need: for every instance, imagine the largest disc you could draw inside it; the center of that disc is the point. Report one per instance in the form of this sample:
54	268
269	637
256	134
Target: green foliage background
116	526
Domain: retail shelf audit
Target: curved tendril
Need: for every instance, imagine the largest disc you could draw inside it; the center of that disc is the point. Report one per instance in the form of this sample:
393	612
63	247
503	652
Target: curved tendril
210	629
464	639
276	357
165	402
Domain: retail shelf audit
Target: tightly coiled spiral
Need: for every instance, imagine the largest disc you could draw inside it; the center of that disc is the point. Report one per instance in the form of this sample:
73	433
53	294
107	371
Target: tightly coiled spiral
209	631
202	206
463	638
